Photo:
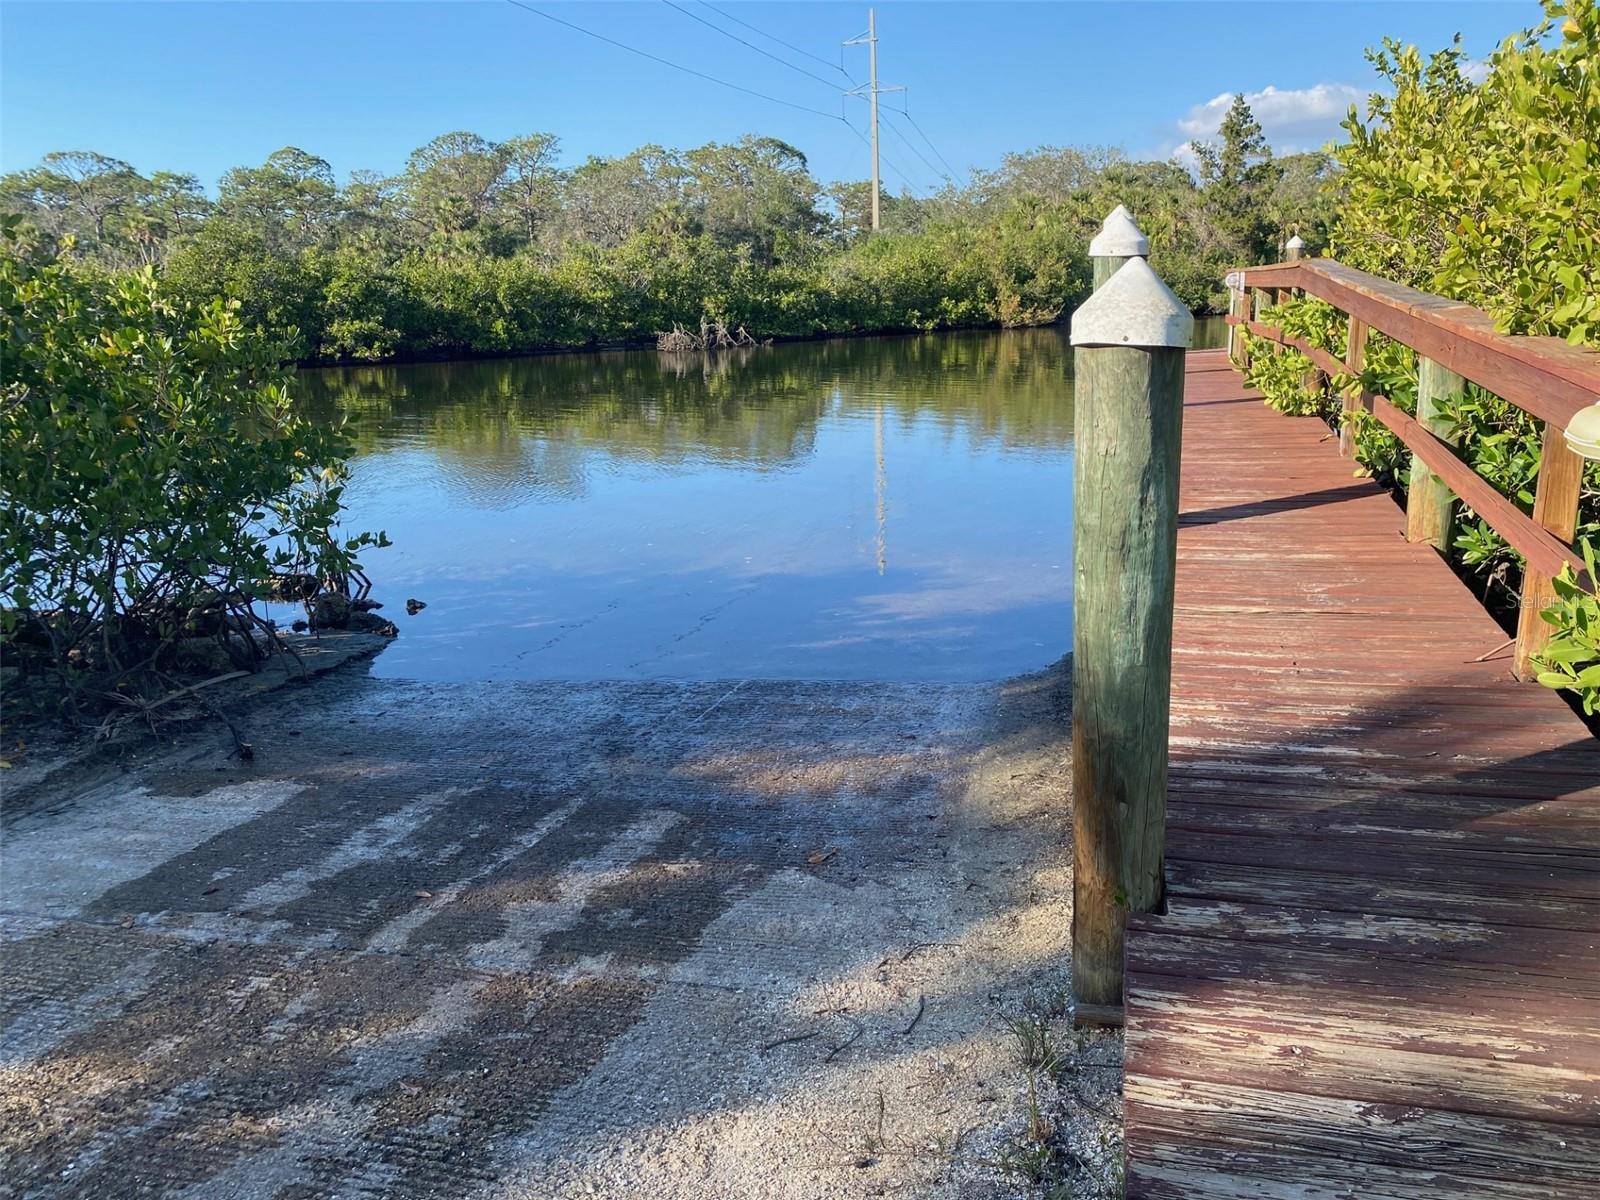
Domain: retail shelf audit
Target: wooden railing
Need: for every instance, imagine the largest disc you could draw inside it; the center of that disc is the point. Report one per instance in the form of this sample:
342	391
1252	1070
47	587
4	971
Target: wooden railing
1543	376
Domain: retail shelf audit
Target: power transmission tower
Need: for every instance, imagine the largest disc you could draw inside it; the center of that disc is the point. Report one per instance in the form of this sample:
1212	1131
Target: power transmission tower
872	91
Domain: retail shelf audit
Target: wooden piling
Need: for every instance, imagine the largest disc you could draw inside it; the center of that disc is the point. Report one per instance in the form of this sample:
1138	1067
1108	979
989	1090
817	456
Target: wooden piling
1430	505
1130	339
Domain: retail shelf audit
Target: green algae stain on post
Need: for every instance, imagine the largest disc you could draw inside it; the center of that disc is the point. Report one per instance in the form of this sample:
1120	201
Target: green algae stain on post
1130	340
1430	505
1118	241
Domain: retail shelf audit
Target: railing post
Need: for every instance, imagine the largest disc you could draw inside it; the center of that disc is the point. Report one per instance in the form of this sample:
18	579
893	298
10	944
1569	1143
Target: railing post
1130	339
1355	358
1260	300
1239	310
1430	505
1555	506
1119	240
1313	381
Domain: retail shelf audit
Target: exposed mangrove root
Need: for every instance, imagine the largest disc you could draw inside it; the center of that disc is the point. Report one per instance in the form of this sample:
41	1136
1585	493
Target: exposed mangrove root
106	668
713	335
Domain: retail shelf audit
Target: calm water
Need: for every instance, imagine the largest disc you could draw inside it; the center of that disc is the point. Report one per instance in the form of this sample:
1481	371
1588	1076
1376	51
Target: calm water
885	508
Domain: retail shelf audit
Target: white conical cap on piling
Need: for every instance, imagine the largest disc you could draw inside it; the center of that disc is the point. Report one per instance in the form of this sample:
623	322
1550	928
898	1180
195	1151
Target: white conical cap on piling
1297	243
1119	237
1583	432
1133	308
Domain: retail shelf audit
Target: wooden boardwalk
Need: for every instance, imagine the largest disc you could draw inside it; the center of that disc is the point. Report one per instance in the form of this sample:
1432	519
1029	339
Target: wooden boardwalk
1379	971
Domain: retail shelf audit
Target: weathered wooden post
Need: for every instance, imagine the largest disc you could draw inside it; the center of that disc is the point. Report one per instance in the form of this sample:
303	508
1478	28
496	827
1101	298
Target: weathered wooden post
1555	506
1238	310
1262	299
1355	359
1119	240
1294	250
1130	339
1430	505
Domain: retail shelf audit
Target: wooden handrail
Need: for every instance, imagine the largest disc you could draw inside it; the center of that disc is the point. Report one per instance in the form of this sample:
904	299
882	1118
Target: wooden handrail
1543	376
1543	550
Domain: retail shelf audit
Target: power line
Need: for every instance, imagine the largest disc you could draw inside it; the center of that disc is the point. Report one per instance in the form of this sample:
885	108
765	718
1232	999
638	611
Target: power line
904	141
901	139
949	170
905	179
814	57
675	66
828	83
911	146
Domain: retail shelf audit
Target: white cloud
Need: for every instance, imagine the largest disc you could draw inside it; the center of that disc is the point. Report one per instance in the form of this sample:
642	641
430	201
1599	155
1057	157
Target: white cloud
1283	112
1186	158
1294	120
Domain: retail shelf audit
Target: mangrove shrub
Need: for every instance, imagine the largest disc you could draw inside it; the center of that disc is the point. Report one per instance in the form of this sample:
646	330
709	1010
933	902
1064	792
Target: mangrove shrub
157	479
1487	192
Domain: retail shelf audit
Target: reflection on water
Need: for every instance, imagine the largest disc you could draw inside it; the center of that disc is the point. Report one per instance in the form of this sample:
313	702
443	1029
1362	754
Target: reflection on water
881	508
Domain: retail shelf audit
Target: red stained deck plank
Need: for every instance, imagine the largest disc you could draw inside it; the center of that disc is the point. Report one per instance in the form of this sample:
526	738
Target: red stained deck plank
1376	975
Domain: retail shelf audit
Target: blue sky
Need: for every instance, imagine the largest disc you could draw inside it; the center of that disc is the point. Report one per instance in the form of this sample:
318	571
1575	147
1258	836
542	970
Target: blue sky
205	86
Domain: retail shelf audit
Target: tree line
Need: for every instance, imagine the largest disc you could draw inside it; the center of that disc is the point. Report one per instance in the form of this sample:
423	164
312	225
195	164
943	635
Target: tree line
480	246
